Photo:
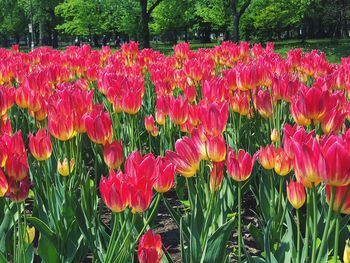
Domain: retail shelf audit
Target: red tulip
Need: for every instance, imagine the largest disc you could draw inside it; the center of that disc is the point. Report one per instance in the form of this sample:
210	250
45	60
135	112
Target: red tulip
6	99
216	148
178	110
262	101
337	157
164	180
5	126
240	102
199	140
113	154
309	163
61	117
240	166
267	156
18	190
40	145
283	164
296	194
214	118
3	183
114	191
246	77
339	195
141	173
3	152
298	115
98	125
333	120
17	166
294	134
150	248
186	158
216	175
149	123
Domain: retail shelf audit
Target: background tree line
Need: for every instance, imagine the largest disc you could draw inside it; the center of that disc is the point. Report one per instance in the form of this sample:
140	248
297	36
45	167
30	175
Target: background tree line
170	20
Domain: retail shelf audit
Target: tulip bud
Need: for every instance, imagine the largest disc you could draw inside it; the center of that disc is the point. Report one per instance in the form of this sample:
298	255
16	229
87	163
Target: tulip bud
283	164
155	132
30	235
339	194
346	257
62	168
166	173
296	194
216	175
149	123
267	157
150	248
113	154
40	145
275	135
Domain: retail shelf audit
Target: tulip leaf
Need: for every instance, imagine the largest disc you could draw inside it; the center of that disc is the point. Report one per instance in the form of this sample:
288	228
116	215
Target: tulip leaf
3	258
217	242
47	250
184	251
41	226
257	236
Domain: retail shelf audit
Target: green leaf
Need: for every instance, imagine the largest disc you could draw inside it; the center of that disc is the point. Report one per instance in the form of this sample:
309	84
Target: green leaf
217	242
47	250
257	235
41	227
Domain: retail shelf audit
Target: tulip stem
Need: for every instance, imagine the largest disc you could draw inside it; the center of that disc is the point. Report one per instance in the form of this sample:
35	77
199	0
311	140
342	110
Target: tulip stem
112	242
326	229
314	225
280	196
239	221
336	238
298	236
307	231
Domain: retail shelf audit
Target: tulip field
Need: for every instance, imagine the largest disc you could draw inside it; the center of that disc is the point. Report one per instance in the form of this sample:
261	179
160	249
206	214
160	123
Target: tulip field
94	143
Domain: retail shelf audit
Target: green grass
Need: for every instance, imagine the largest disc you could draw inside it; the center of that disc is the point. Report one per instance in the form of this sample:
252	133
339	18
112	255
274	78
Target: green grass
334	50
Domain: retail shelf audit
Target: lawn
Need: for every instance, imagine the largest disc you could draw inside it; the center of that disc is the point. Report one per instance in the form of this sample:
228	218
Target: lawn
334	49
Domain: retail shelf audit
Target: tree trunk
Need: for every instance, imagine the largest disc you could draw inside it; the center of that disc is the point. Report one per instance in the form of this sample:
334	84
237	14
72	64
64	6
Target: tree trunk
145	39
41	34
235	33
54	39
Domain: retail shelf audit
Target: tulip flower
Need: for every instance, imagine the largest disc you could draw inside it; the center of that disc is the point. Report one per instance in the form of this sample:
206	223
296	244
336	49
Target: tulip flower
6	99
150	248
140	172
3	152
337	157
333	121
267	156
113	154
17	166
309	163
262	101
114	191
63	168
216	148
29	235
214	118
339	195
3	183
18	190
296	194
40	145
275	135
240	165
346	256
186	158
283	164
292	135
178	110
239	102
149	123
164	180
199	140
98	125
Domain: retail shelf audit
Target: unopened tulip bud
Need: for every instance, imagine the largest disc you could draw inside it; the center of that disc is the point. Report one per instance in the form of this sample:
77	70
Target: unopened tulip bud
275	135
346	257
62	168
30	235
296	194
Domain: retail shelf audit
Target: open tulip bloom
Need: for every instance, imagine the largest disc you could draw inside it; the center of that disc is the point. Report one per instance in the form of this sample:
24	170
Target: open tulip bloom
97	145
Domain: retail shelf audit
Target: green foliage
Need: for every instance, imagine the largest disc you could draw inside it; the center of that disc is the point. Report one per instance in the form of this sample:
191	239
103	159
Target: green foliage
11	18
81	17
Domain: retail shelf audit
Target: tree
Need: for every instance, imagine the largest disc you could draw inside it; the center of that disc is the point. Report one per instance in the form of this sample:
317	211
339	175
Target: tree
238	10
81	18
13	22
173	17
147	7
